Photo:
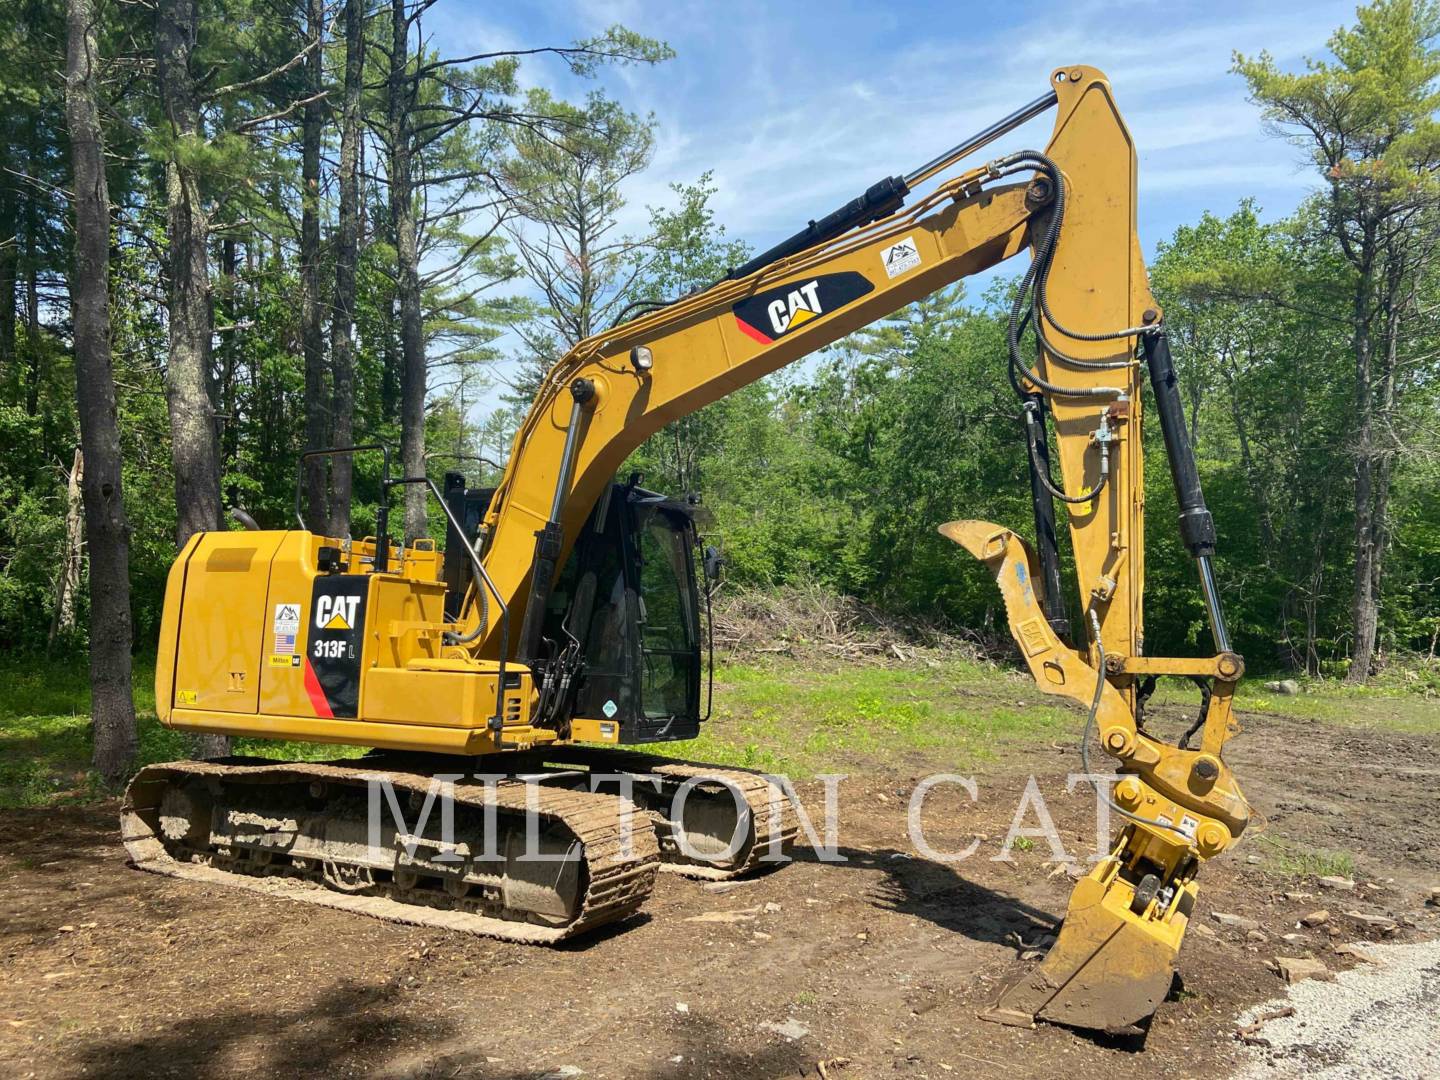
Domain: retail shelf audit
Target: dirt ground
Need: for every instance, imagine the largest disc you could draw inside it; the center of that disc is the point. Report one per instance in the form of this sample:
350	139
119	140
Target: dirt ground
876	967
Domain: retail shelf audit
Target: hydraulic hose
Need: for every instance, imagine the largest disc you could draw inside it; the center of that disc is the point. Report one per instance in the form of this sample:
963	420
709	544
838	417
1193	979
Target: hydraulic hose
1032	435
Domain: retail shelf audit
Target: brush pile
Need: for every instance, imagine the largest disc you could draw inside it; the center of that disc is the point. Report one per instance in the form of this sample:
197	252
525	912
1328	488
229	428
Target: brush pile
811	621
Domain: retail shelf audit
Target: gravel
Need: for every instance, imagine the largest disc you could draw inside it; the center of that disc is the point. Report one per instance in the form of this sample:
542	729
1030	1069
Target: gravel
1376	1020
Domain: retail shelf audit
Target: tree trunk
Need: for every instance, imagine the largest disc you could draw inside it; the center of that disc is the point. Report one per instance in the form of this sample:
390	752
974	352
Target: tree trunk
402	215
187	377
32	281
1364	614
317	404
228	391
1384	457
73	558
9	260
347	243
112	707
194	447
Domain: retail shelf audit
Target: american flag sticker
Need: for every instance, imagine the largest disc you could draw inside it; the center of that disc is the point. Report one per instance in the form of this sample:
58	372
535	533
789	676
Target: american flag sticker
287	627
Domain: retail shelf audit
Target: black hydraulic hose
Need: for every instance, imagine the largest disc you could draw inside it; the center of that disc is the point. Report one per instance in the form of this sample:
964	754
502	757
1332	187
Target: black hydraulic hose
1031	445
1075	361
1205	695
1107	392
645	305
1032	282
1042	508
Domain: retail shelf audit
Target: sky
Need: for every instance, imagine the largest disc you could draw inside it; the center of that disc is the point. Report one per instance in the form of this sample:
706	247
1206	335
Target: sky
796	108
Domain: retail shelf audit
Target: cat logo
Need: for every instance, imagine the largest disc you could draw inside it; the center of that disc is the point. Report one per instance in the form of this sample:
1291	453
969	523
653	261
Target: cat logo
772	314
802	305
335	612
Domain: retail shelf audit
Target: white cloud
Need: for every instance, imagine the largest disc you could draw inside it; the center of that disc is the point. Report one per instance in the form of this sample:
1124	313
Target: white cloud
795	108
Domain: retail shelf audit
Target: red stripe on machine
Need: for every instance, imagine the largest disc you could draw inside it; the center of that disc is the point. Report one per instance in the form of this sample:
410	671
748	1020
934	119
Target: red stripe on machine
750	331
318	701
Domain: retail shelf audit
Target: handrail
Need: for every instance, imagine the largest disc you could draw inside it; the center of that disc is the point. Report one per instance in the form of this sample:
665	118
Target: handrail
497	722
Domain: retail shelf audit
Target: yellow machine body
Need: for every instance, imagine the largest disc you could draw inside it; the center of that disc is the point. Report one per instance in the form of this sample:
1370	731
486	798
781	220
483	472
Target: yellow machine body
256	640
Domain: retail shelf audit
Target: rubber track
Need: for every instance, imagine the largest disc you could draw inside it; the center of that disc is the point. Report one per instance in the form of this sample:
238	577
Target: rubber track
617	882
779	830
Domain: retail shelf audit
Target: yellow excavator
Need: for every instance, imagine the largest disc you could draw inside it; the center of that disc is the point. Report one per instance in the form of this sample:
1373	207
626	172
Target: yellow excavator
561	627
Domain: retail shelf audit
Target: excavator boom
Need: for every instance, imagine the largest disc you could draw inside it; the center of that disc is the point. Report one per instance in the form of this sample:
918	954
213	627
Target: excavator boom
565	610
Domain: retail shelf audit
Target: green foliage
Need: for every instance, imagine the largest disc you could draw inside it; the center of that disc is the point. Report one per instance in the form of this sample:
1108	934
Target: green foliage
836	472
1297	861
1367	117
45	734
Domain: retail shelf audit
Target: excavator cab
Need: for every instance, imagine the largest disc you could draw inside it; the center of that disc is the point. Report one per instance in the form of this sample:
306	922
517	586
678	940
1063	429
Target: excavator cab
625	613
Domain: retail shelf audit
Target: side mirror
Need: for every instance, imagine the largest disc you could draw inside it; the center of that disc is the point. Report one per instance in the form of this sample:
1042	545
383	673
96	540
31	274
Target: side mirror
713	561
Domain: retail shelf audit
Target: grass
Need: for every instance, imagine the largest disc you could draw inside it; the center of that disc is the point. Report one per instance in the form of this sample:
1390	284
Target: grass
1387	706
783	715
45	733
1289	858
793	718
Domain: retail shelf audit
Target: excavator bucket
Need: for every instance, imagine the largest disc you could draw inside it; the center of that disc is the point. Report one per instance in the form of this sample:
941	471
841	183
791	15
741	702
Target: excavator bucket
1111	966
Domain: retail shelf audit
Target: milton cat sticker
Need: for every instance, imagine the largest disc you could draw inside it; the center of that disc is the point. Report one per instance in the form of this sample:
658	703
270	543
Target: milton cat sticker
772	314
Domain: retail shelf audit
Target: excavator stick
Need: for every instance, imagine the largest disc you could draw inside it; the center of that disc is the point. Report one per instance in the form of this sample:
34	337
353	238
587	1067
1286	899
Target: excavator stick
1114	959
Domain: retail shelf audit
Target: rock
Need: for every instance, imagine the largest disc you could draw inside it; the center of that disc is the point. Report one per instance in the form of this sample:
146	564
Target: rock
723	886
742	915
1343	884
1288	687
1356	952
791	1029
67	929
1297	897
1202	930
760	935
681	1007
1297	969
564	1072
772	908
1293	939
1434	898
1315	918
1235	922
1374	922
1258	937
